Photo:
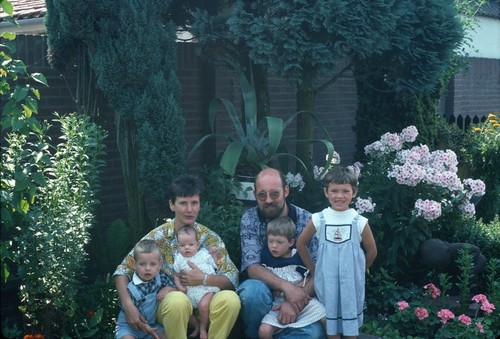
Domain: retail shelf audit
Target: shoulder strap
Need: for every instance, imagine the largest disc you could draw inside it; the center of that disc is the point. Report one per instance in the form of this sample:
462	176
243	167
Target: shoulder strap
321	219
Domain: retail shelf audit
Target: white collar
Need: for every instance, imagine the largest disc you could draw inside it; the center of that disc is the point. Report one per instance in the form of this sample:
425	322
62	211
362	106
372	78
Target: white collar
137	281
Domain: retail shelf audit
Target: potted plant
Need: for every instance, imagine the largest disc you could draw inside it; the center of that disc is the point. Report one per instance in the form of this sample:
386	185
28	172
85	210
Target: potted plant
254	145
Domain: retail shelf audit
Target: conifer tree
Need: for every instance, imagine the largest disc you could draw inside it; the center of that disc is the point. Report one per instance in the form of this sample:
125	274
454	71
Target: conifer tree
131	47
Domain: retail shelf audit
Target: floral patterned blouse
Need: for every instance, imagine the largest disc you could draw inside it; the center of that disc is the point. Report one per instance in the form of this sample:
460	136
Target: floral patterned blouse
165	238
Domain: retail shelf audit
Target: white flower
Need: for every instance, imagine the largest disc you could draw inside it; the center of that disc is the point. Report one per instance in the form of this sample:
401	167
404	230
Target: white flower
365	205
295	181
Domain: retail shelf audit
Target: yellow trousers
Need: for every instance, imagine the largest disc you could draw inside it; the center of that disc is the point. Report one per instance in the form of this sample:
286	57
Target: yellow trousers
174	311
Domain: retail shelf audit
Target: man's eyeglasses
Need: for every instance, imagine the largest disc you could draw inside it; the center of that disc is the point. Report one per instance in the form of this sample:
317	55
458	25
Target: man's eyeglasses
274	194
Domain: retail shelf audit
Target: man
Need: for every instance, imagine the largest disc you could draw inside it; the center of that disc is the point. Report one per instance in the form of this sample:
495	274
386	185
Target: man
175	308
255	292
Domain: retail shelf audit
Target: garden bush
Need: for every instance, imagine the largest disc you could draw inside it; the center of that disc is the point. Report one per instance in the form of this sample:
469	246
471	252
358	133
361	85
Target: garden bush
221	211
485	162
411	194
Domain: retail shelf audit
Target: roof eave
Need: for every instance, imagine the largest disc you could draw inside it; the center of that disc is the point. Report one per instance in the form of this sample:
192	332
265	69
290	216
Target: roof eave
34	26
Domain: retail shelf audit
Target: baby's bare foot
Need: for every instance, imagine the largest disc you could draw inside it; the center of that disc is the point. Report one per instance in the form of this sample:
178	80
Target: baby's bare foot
203	334
195	332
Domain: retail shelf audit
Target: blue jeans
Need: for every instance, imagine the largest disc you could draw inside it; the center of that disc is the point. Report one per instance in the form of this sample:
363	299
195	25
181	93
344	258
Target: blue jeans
256	301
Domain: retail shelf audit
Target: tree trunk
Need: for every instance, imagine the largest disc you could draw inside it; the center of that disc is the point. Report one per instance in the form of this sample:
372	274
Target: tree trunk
306	98
128	154
261	91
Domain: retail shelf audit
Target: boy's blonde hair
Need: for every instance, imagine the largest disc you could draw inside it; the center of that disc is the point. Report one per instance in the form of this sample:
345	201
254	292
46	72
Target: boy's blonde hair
146	246
282	226
341	175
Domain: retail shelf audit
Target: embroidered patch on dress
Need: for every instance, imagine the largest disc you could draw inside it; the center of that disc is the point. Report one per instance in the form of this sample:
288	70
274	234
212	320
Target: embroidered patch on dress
338	233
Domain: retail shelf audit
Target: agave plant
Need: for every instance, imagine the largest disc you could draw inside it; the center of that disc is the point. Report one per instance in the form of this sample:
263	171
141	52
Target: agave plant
254	144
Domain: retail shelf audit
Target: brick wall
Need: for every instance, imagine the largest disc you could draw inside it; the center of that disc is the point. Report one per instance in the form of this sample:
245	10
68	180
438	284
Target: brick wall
476	93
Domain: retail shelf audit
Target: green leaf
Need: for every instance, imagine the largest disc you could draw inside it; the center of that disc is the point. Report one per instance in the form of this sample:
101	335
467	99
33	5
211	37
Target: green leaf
20	93
8	35
7	7
38	178
21	185
39	77
231	157
32	105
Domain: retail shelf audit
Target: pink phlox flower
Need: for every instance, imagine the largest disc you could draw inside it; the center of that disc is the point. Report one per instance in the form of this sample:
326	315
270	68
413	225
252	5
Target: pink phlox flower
421	313
480	326
365	205
374	148
465	319
487	307
479	298
402	305
407	174
409	134
428	209
435	292
441	178
391	142
356	168
477	187
444	160
467	208
445	315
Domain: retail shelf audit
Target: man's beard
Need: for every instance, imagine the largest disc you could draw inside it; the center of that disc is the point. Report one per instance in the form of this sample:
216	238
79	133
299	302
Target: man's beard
272	210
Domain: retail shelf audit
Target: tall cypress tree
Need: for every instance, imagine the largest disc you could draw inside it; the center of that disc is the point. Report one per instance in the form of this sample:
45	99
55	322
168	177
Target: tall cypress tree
131	47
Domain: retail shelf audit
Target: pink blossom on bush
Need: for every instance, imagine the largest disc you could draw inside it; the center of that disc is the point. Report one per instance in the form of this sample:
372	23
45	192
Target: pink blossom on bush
479	298
480	326
365	205
477	187
467	208
465	319
433	289
445	315
487	307
356	168
441	178
373	148
409	134
402	305
391	142
421	313
415	155
428	209
407	174
444	160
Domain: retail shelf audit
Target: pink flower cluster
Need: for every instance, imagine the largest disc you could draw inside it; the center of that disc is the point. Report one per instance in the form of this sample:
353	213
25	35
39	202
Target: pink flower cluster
465	319
485	304
428	209
467	208
409	134
421	313
439	169
445	315
477	187
403	305
435	292
365	205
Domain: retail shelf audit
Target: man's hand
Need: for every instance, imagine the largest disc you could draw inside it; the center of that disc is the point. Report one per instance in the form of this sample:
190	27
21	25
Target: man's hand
297	297
287	313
